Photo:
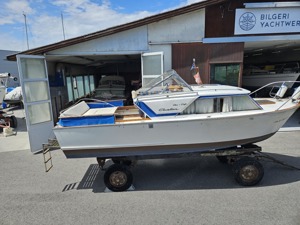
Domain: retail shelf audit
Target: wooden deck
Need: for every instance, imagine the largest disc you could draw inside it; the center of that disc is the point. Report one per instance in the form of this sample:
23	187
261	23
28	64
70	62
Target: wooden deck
265	102
129	114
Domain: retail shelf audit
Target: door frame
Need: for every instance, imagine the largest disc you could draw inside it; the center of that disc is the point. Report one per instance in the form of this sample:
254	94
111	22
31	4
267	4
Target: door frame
39	132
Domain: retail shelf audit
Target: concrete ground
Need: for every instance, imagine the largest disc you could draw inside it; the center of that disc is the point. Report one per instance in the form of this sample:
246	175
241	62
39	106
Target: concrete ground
20	140
198	190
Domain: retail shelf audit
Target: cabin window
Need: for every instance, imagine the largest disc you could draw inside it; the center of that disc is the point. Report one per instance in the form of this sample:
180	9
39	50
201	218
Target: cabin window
241	103
227	104
221	104
202	105
218	104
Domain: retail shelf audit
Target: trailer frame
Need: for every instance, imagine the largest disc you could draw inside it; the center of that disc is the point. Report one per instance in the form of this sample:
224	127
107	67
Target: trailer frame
247	169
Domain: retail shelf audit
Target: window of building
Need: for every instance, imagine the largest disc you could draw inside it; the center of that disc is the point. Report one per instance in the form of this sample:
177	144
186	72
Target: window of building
225	74
79	86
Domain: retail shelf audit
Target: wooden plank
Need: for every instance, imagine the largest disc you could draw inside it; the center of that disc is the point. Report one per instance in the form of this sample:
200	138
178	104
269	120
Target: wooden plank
130	118
127	110
265	102
127	107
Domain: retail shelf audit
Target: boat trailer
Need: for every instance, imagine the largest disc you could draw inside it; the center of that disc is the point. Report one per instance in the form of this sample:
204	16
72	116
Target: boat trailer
247	170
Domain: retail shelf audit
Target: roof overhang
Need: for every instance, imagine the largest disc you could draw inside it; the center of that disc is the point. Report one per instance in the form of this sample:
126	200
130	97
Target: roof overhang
94	59
253	43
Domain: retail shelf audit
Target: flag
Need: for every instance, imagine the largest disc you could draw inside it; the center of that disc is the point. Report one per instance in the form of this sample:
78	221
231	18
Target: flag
195	73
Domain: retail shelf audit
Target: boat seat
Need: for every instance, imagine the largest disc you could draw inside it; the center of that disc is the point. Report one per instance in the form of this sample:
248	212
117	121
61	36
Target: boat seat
82	109
100	111
76	110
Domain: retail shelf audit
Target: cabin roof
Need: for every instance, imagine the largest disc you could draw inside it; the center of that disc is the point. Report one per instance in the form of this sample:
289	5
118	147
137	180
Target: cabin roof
219	90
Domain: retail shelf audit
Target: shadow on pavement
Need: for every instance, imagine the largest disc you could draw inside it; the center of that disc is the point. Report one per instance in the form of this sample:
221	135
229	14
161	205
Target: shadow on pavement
193	173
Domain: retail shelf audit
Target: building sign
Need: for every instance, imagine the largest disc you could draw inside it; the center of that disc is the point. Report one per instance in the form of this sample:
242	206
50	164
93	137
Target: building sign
267	20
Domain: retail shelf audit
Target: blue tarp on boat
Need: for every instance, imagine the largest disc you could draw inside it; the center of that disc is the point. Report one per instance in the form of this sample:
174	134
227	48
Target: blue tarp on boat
91	118
88	120
105	104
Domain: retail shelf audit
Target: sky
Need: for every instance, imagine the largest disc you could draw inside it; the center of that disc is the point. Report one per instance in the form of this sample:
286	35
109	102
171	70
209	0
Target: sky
44	18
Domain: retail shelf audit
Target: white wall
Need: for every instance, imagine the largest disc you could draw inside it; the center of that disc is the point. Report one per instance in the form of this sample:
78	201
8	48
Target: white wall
131	40
183	28
154	37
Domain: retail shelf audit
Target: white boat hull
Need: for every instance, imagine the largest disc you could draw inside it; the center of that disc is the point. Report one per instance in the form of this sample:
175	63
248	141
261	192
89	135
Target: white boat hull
182	134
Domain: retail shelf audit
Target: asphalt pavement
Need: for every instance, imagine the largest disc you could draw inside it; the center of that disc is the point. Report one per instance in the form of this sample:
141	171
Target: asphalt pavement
198	190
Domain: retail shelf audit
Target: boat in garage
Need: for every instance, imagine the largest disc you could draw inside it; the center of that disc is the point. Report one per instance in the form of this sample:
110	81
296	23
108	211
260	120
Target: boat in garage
170	117
110	87
255	77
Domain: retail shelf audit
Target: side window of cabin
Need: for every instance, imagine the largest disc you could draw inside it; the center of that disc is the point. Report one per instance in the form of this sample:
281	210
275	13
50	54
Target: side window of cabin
204	105
241	103
218	104
238	103
222	104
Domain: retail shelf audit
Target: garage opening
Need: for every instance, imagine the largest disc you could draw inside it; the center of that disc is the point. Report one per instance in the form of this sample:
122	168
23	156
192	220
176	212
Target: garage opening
266	62
105	77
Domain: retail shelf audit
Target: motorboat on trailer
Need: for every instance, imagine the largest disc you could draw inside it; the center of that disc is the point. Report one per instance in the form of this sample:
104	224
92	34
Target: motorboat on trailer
169	117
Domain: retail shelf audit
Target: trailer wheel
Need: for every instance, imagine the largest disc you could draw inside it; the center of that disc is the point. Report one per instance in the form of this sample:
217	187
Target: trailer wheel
248	171
118	178
13	122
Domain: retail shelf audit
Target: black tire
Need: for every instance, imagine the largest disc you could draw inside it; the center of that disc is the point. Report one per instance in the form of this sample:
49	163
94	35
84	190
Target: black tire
248	171
118	178
13	122
222	158
124	162
116	161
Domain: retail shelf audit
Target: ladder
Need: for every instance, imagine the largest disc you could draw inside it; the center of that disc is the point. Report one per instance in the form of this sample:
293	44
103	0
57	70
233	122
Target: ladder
52	144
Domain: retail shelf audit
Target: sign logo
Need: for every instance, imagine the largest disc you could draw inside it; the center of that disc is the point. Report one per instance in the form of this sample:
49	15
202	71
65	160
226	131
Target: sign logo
267	20
247	21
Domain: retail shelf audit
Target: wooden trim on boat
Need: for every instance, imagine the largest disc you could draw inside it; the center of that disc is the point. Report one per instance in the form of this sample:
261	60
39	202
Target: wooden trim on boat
127	107
130	118
129	114
265	102
127	110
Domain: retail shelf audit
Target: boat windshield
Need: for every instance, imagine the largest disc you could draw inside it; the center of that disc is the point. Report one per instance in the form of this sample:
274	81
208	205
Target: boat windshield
169	81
